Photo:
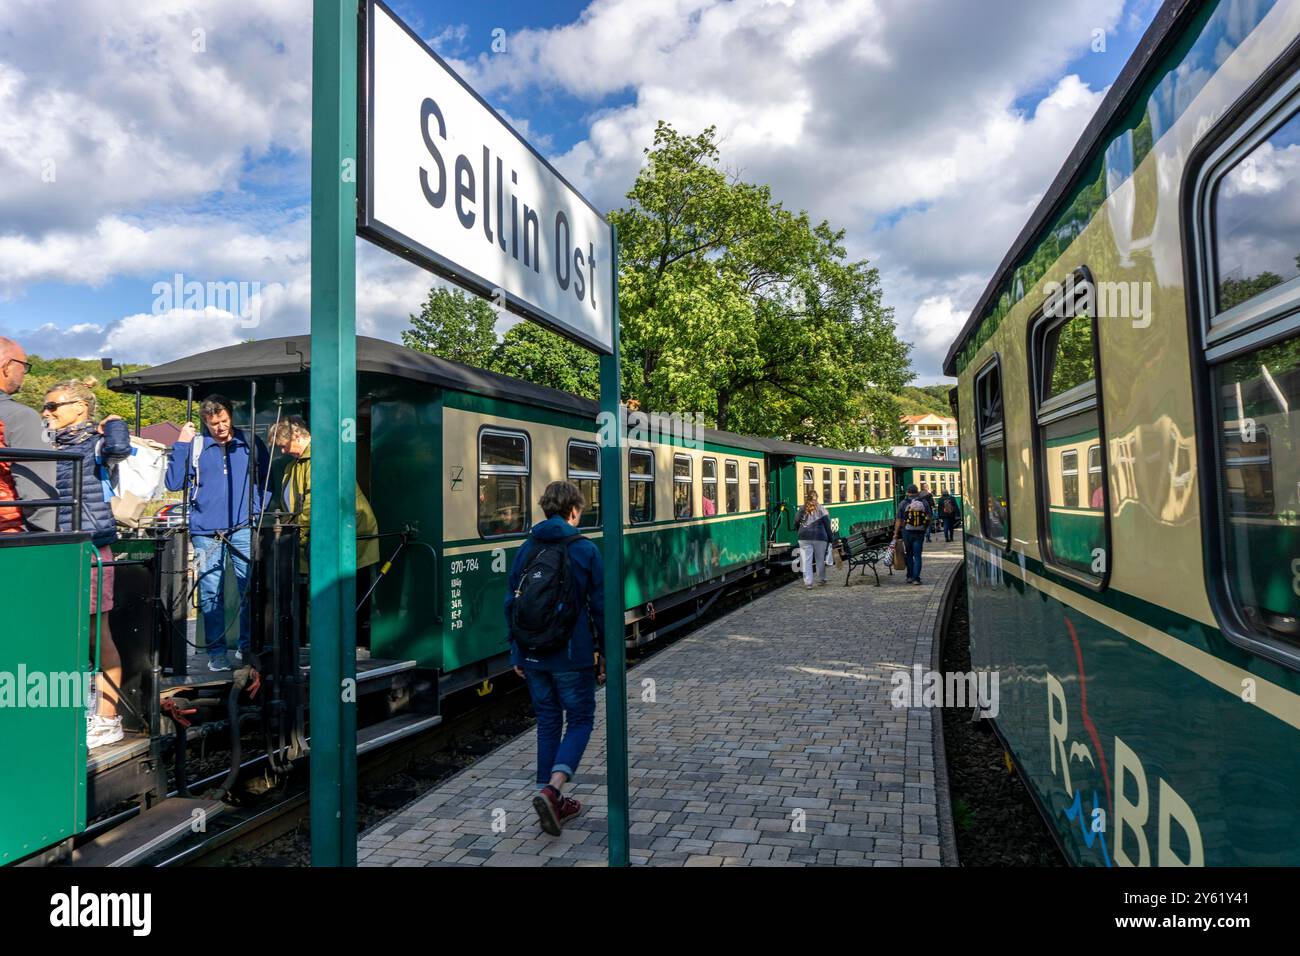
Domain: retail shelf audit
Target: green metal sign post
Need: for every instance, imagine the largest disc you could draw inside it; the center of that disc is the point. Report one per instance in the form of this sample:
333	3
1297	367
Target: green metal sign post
611	496
333	428
334	230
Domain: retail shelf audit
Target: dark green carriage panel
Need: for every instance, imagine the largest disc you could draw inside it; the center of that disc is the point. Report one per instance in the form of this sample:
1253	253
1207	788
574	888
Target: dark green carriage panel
474	603
1269	579
1077	536
406	482
1142	736
676	557
45	641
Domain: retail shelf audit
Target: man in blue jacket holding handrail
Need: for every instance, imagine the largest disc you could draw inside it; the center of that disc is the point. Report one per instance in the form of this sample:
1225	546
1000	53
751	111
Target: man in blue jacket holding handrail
221	518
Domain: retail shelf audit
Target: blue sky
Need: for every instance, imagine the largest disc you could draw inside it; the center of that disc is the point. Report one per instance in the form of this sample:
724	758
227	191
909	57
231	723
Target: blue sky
170	158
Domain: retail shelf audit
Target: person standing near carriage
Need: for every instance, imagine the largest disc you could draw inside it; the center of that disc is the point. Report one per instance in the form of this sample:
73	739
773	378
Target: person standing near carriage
24	429
292	437
555	615
910	528
928	497
949	513
221	516
815	534
69	413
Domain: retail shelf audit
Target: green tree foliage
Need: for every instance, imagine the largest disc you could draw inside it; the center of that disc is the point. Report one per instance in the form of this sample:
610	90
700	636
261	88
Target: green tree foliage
46	373
454	326
733	305
1236	291
924	399
1073	354
538	355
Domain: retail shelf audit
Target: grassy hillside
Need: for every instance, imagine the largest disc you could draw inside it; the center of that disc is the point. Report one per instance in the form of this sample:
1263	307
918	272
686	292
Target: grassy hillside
48	372
920	399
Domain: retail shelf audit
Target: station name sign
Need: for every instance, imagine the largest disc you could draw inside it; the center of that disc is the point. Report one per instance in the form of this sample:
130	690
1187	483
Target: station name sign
448	184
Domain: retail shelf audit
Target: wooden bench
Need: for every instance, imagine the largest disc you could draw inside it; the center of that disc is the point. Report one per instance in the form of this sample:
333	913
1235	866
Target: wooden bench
864	550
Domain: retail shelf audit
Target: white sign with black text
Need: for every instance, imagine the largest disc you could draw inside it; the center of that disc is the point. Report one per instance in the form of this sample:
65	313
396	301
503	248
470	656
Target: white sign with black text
452	186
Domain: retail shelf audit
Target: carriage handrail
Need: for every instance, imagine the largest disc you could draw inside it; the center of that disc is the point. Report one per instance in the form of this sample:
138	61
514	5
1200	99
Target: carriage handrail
23	455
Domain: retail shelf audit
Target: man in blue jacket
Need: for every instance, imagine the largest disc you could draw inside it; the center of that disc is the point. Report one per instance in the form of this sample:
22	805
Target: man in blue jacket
562	681
220	518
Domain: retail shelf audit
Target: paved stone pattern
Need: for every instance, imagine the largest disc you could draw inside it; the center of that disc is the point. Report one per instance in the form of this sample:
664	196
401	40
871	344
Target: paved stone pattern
767	738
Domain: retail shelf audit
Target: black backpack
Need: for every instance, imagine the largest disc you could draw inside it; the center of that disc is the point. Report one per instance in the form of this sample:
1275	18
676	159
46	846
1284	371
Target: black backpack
545	607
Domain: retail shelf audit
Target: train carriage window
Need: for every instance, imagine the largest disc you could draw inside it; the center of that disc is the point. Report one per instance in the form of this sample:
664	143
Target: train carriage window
844	484
889	484
857	485
755	487
1067	418
731	472
683	497
808	484
1259	476
1248	468
1256	234
1248	241
641	486
826	486
876	485
1069	471
503	473
709	484
995	513
584	471
1094	477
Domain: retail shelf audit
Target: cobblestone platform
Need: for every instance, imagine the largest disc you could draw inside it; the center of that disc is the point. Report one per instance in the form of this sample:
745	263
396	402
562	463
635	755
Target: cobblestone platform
766	738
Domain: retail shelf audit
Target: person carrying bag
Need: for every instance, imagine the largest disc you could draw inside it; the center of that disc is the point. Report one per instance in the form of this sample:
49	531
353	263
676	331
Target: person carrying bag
815	536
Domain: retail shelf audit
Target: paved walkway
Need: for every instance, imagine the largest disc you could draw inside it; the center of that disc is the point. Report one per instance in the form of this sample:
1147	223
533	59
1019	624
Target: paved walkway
767	738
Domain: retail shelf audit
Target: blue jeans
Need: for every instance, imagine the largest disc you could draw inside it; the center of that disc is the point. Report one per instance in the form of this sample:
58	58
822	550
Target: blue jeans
914	541
210	559
557	695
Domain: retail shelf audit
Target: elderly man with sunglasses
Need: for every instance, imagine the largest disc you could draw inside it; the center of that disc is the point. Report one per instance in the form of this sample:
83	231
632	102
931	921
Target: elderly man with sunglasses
23	428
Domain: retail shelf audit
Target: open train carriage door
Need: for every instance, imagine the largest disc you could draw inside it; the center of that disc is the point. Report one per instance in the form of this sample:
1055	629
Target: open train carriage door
265	383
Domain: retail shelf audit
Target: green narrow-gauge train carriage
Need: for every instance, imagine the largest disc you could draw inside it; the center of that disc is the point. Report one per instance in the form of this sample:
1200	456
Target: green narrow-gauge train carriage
1129	397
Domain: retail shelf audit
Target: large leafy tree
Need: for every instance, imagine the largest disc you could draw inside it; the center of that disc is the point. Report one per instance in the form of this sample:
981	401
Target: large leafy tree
733	305
538	355
454	326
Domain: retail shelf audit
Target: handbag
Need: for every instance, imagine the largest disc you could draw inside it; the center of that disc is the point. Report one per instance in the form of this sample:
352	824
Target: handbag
900	555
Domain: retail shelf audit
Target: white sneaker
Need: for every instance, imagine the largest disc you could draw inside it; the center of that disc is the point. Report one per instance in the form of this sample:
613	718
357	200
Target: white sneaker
103	730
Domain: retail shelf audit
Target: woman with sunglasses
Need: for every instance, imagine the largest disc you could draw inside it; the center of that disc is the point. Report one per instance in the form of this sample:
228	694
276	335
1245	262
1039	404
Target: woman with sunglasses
69	413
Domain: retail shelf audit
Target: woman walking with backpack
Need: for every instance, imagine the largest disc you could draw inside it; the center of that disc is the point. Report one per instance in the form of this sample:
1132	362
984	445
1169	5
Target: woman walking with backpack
69	413
814	529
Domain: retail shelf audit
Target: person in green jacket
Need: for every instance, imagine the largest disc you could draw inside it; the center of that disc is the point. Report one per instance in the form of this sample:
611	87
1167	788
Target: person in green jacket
291	437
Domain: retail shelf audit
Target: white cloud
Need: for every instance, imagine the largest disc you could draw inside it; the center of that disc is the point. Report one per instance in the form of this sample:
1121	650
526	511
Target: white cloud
895	119
142	103
892	118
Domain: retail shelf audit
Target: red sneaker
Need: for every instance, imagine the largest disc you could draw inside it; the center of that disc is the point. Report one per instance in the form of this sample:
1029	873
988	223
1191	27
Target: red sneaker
569	808
548	803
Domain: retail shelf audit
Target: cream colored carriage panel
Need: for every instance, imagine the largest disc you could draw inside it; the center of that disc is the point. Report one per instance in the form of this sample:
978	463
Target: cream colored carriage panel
548	461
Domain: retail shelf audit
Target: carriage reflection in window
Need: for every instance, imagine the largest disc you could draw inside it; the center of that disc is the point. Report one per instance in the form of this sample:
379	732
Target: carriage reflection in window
584	471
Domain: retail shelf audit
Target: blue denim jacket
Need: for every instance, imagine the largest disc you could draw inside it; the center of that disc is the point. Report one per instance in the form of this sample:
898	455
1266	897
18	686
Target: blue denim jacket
220	499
